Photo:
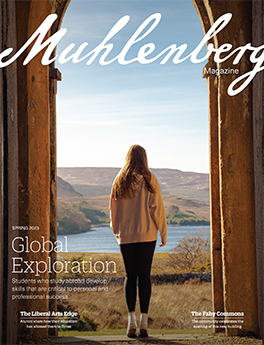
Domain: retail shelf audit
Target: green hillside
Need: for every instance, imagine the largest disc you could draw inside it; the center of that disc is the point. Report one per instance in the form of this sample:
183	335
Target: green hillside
78	217
175	217
78	212
191	211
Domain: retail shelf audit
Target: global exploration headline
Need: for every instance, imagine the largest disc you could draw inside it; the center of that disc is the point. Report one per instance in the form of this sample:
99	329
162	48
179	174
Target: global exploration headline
23	245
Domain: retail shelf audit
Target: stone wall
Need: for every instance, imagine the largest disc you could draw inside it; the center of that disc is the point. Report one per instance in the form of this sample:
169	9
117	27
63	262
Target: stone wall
232	172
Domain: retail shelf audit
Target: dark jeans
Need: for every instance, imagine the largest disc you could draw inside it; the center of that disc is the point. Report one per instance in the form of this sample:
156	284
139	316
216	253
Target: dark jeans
137	259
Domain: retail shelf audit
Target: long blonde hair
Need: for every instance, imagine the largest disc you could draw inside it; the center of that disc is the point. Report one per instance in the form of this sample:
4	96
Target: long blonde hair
136	165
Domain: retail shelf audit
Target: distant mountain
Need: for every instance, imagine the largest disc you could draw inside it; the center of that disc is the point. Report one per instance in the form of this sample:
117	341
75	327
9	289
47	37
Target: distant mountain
88	176
65	189
192	207
180	210
93	182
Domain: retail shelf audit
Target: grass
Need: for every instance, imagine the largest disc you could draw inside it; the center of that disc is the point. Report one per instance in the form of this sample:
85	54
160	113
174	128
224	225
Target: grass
161	263
105	311
170	307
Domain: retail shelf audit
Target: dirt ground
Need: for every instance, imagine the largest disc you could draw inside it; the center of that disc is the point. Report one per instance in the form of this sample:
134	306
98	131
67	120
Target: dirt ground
215	339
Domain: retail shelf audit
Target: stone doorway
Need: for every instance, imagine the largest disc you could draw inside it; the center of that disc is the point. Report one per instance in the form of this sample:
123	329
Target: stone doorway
28	165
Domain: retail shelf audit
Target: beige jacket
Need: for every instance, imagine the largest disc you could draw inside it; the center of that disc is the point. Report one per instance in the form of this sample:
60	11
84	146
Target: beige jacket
138	219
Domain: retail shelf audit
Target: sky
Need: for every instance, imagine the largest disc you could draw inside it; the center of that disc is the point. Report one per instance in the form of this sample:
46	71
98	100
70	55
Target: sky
104	109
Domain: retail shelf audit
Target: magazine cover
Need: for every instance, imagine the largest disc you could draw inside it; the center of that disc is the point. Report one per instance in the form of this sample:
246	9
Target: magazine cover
131	171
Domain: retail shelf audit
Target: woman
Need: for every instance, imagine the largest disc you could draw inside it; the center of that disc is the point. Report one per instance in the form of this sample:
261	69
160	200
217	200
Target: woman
136	214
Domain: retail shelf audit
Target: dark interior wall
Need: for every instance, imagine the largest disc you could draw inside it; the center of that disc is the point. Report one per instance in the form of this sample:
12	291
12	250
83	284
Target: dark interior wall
258	111
9	171
1	176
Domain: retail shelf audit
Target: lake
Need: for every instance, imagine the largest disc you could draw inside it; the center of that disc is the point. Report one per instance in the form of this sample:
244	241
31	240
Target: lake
102	240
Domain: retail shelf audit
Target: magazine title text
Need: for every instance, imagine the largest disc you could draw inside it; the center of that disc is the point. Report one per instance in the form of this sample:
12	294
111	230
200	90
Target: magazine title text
174	52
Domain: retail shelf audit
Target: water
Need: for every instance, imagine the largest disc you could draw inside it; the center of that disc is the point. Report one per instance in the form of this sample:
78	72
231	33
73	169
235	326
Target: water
102	240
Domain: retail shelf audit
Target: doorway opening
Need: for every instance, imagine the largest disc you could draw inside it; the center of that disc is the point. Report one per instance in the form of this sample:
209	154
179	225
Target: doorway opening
106	109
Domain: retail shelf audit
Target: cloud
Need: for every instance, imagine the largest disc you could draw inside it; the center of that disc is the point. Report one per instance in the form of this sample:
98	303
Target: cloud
155	106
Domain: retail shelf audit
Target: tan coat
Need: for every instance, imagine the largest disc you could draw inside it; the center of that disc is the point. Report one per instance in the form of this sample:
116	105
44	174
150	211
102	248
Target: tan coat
138	219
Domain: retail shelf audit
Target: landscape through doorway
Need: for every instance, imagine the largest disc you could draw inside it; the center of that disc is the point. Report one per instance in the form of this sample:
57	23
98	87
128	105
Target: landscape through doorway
139	106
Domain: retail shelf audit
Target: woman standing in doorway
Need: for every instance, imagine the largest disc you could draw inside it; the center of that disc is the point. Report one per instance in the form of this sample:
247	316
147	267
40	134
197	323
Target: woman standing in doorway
136	214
